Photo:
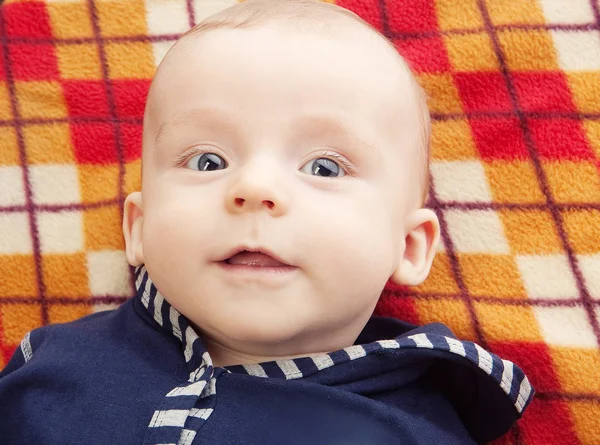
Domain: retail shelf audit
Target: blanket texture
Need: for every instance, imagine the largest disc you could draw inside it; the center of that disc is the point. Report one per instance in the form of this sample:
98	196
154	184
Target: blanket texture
514	91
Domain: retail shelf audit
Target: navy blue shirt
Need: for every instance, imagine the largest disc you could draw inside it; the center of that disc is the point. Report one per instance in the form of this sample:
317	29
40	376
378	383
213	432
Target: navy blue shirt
141	375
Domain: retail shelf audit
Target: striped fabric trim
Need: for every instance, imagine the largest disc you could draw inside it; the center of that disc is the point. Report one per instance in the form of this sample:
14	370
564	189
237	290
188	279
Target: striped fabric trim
26	347
185	408
508	376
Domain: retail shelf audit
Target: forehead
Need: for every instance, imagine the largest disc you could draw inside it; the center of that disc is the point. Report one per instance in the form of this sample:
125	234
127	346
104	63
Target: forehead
258	73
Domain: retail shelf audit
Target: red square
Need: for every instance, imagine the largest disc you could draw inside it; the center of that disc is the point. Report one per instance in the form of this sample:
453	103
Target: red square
33	62
411	16
547	422
560	139
130	97
131	141
499	138
28	19
483	91
368	10
394	302
543	91
85	98
94	143
535	361
426	54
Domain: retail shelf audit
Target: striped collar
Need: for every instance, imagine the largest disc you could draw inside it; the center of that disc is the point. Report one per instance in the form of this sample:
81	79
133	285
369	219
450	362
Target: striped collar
190	404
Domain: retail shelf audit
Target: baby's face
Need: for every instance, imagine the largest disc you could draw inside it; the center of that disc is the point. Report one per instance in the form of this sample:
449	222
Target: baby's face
300	145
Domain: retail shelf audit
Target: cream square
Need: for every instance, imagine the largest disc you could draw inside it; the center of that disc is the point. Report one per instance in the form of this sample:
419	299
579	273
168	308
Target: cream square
54	184
565	326
159	50
476	231
574	12
547	276
204	8
590	269
109	273
577	50
12	187
15	236
101	307
167	17
460	181
60	232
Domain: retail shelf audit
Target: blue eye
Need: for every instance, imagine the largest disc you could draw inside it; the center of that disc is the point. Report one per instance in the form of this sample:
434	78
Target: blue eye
324	167
206	162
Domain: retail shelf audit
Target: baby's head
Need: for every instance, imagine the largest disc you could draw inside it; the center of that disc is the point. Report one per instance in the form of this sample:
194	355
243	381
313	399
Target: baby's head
294	129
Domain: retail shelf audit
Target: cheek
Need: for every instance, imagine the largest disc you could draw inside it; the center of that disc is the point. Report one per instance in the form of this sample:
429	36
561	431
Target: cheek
352	242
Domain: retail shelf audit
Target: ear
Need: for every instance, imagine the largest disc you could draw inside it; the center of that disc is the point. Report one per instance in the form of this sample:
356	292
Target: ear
133	218
422	237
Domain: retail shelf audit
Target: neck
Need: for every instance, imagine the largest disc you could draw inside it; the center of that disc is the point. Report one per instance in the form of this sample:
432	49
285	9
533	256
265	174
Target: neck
223	356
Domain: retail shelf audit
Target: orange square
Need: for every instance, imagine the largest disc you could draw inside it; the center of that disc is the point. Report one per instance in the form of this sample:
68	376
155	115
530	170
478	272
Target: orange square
65	275
48	144
573	181
530	232
130	60
64	313
79	61
5	108
458	15
452	312
440	279
103	228
471	52
98	183
504	322
592	130
585	87
452	140
441	92
578	370
583	230
513	182
19	319
528	50
509	12
585	415
41	100
70	19
9	155
18	276
491	275
118	18
133	177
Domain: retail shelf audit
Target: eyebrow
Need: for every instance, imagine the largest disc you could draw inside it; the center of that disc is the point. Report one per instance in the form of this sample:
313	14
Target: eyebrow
215	116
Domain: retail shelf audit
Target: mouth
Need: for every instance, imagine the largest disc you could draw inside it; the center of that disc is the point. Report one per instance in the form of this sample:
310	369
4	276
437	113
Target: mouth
254	260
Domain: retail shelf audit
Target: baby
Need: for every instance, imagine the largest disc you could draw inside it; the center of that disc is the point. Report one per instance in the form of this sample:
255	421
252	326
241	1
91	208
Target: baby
285	167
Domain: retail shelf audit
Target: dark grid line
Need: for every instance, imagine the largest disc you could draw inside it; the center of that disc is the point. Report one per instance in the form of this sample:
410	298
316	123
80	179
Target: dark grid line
445	234
112	109
434	116
585	297
33	227
190	13
444	205
503	301
388	33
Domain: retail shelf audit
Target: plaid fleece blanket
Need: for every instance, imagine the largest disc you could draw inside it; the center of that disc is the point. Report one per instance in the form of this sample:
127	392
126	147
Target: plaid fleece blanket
514	89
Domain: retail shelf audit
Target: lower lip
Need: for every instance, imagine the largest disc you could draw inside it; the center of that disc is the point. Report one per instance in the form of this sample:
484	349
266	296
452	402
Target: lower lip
238	268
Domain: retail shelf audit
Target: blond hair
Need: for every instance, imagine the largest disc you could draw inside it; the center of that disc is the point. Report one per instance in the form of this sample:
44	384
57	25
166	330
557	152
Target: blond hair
253	13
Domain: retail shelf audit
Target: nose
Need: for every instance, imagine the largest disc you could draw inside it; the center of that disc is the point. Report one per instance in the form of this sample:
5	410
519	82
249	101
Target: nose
257	187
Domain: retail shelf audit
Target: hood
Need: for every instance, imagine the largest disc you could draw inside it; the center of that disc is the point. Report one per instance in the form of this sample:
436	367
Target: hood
488	393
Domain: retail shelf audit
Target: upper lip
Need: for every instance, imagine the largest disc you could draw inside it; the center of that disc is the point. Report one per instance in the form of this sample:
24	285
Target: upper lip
262	250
